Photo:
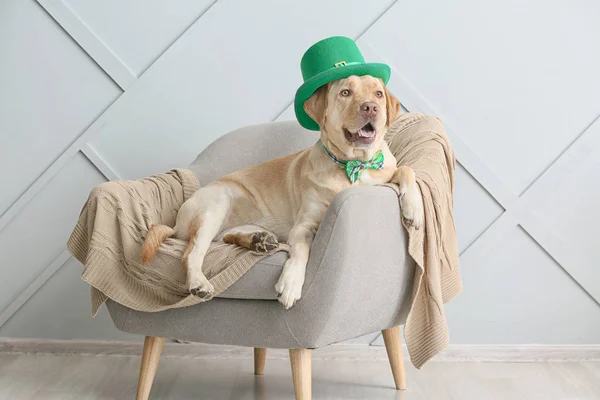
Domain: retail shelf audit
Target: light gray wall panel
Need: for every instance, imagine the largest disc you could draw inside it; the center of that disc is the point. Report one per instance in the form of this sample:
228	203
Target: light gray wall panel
518	81
50	91
138	31
572	212
39	234
288	114
521	296
515	84
207	83
62	310
474	208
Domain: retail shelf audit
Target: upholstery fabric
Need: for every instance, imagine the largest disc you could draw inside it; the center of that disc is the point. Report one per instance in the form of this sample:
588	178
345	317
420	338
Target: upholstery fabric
352	287
259	282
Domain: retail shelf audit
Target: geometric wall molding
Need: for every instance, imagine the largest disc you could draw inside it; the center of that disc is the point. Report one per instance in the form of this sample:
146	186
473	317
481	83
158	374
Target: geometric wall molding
519	210
189	85
137	32
109	61
258	74
89	42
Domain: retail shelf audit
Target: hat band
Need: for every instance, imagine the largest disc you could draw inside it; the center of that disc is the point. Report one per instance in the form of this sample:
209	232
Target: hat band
345	64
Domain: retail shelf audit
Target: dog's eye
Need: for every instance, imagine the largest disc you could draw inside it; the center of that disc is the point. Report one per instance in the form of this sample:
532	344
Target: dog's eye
345	93
379	93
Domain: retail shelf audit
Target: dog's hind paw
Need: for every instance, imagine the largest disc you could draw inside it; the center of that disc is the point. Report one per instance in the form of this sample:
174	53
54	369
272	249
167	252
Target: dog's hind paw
204	290
263	242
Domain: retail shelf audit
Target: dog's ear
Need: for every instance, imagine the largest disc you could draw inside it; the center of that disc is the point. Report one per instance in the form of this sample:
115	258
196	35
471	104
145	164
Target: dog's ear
392	105
316	105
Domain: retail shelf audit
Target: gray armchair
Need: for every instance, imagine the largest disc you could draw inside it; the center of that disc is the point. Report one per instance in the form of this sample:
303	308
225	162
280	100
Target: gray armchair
355	283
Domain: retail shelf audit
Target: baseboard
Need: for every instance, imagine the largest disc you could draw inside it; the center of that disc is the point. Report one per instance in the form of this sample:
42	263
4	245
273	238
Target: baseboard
519	353
454	353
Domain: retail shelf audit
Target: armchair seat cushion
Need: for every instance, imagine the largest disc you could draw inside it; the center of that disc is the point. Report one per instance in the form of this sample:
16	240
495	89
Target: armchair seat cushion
259	282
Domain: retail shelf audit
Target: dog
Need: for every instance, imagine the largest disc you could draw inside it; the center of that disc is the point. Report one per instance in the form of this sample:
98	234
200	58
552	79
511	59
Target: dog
284	200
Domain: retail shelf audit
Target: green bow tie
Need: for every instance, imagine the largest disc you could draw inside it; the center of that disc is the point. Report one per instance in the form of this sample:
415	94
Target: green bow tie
354	168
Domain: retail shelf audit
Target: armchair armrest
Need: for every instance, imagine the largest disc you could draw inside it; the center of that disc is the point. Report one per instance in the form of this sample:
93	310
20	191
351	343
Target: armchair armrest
359	276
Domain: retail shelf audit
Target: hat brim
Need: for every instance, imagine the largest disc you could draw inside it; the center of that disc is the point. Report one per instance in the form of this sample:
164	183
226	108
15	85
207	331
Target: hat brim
309	87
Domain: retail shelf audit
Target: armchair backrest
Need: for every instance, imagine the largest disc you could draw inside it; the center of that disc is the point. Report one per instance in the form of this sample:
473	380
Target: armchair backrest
249	146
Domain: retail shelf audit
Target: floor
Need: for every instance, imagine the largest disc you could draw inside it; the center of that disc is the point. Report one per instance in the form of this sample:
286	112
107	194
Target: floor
49	377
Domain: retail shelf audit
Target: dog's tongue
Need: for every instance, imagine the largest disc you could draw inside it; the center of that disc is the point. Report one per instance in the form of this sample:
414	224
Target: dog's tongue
366	131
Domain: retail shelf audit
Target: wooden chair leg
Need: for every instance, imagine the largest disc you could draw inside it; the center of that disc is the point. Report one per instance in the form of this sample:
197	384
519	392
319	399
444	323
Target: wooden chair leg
302	373
260	355
393	346
152	349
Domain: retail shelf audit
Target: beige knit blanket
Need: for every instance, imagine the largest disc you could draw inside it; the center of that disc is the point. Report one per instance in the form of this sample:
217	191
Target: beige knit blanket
420	142
109	234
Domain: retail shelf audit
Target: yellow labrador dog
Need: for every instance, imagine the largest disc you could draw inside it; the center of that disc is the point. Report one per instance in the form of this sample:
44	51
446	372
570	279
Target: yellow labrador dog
285	199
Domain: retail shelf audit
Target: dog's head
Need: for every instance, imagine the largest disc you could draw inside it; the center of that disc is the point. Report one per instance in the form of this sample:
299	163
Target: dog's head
353	114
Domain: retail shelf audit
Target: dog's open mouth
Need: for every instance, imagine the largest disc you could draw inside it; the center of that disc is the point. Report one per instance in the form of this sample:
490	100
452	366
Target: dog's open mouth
365	135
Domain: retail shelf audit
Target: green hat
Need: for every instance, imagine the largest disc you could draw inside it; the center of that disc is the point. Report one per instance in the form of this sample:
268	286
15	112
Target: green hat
326	61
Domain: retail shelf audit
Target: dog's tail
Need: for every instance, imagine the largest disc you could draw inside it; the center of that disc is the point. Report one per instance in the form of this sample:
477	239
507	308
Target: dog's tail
155	236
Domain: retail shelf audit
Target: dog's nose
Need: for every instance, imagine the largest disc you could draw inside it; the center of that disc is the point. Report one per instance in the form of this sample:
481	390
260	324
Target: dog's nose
370	108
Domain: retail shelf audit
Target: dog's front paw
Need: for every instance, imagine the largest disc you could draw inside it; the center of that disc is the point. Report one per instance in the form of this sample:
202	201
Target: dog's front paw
289	288
411	205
